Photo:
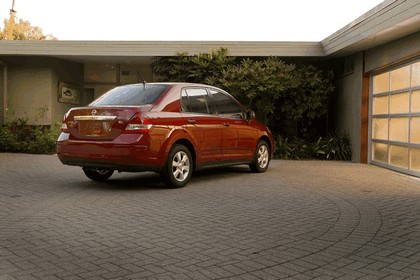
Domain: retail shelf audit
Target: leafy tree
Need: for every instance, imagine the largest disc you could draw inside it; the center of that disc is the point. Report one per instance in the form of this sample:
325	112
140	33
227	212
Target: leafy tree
18	29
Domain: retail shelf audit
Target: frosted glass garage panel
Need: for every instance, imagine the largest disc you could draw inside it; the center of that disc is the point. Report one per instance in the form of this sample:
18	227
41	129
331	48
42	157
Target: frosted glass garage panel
415	130
399	103
415	159
415	74
380	152
395	118
380	105
400	78
415	101
398	156
381	83
398	129
380	128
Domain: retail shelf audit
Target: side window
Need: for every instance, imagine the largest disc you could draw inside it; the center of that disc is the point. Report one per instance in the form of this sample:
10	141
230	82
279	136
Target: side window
226	106
195	100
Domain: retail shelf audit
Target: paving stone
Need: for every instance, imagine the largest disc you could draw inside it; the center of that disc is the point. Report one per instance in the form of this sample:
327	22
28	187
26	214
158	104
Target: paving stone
299	220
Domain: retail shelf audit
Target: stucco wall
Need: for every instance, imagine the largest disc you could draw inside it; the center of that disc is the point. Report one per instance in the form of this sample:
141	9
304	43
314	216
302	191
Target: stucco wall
33	87
394	52
64	71
2	105
348	105
29	93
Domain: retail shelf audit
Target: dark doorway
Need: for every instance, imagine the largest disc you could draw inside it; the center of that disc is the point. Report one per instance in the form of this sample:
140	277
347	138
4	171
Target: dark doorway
88	96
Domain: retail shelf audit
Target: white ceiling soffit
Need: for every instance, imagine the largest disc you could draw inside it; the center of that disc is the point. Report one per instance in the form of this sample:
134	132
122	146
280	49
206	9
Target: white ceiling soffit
390	20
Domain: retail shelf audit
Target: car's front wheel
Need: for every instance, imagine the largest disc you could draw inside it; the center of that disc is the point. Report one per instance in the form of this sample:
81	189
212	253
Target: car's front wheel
98	174
179	167
261	157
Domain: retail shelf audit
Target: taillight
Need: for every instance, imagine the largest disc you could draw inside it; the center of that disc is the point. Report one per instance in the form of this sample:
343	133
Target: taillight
66	125
64	128
138	124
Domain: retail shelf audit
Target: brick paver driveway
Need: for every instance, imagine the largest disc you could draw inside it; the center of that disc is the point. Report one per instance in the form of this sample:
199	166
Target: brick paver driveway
300	220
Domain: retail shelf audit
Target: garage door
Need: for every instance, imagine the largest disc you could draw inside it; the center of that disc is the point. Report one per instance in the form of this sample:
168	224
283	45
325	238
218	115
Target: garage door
395	118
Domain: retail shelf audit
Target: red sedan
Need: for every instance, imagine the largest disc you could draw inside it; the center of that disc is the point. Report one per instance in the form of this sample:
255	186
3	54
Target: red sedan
169	128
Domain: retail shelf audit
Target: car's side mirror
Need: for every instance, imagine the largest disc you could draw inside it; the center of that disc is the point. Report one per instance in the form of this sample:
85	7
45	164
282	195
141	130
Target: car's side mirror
250	115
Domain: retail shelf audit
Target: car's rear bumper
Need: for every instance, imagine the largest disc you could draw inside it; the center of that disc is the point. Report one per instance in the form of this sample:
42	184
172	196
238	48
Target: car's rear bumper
116	155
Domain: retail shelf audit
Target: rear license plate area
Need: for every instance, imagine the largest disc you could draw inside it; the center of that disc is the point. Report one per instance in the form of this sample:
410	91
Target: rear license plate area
90	128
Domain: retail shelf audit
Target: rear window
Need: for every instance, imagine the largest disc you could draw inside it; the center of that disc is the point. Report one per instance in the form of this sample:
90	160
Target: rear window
138	94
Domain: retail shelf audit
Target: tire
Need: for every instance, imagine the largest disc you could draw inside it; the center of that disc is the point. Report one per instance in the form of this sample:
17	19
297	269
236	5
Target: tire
179	167
261	157
97	174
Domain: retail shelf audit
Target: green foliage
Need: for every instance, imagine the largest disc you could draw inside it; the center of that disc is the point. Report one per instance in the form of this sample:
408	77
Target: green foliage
259	84
284	95
339	148
306	103
329	148
289	99
200	68
18	136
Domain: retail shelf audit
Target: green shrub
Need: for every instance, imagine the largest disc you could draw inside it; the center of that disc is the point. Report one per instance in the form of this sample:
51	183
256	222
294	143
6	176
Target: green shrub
18	136
292	100
329	148
339	148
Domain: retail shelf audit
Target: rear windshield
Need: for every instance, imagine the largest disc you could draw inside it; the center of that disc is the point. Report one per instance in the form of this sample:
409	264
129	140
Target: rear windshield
138	94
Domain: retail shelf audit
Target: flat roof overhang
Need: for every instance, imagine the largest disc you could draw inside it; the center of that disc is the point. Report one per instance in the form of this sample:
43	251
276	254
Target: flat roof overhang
141	51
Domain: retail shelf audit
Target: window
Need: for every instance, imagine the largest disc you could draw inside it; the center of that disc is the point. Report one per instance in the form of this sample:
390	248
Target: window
195	100
137	94
226	106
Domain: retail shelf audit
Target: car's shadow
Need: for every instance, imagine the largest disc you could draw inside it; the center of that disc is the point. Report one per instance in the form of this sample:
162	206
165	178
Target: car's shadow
152	181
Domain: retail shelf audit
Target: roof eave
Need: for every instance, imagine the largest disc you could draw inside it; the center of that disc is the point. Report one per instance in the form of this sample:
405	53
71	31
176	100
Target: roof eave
389	21
130	50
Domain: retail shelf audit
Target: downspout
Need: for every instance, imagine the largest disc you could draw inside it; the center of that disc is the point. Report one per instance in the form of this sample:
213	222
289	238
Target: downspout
5	91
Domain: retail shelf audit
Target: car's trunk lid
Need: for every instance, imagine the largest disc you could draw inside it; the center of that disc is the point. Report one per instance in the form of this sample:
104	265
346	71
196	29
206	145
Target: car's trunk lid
100	123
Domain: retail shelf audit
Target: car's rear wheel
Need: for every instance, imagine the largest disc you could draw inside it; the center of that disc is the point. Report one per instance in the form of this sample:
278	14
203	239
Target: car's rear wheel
179	167
98	174
261	157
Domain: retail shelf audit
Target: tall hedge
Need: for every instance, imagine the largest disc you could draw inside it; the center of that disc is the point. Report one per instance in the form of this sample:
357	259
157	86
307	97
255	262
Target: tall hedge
290	99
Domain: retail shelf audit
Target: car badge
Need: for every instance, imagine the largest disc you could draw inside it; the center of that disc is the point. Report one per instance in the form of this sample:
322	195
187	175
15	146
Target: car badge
94	112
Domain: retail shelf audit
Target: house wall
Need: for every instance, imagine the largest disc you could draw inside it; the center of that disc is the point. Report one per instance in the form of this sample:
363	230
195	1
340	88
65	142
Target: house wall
33	88
29	94
33	85
68	72
392	53
348	102
2	101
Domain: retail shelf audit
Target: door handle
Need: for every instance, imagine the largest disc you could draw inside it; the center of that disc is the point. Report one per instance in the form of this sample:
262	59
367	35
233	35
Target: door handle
226	124
191	121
